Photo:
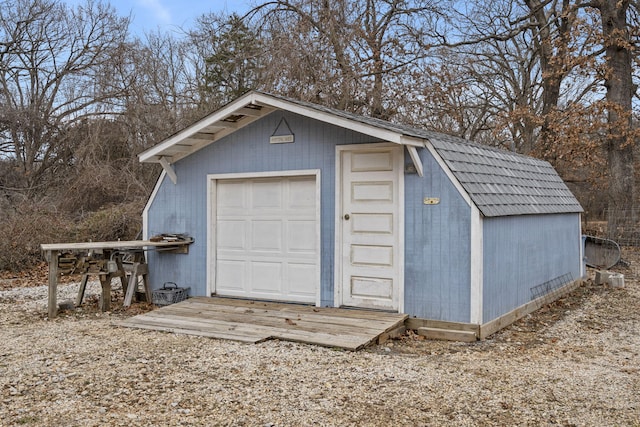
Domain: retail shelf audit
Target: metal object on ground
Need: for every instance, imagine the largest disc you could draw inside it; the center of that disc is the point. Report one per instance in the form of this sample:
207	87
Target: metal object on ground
169	293
601	253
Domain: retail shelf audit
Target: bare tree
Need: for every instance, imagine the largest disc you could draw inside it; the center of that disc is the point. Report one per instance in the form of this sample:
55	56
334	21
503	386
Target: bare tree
347	54
51	76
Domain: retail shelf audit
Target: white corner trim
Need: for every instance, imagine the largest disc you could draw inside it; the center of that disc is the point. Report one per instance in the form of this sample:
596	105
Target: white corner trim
449	174
401	228
415	157
476	303
337	232
145	211
582	269
211	235
166	166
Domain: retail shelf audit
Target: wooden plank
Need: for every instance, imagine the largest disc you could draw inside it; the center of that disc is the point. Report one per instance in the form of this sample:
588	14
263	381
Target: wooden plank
132	286
252	321
143	270
309	324
121	245
121	273
53	283
415	323
82	289
319	316
105	297
159	326
288	307
447	334
347	341
250	325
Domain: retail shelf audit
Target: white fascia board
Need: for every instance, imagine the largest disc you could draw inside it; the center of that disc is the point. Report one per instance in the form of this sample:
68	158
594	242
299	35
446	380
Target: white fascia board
152	154
450	174
238	106
364	128
583	270
412	141
145	211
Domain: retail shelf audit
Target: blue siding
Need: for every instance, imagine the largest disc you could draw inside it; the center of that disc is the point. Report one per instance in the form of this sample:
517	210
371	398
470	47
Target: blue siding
181	208
437	246
521	252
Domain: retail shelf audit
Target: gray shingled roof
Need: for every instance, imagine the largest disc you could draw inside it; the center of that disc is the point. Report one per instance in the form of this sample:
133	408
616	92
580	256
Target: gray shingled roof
499	182
503	183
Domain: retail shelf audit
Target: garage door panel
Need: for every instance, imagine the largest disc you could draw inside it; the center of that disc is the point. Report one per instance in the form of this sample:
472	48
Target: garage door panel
266	278
266	235
231	275
266	194
232	235
302	195
267	239
301	237
231	195
299	283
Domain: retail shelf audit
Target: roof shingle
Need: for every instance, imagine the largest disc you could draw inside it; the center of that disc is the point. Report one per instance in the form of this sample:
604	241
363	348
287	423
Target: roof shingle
503	183
499	182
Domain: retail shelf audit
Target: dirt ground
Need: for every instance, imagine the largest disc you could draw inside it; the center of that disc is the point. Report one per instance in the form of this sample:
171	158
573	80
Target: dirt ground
575	362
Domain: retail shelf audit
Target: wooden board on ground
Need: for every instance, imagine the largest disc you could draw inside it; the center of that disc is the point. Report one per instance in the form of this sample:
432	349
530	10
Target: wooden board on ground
256	321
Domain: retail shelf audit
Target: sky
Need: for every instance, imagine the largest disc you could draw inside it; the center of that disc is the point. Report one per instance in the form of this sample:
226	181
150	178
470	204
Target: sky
169	15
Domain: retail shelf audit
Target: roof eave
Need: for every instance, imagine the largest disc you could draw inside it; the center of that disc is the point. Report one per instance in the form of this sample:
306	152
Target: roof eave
217	126
207	130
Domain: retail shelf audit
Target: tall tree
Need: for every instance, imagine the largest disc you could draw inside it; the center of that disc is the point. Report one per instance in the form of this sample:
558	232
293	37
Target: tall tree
232	54
348	54
618	77
52	72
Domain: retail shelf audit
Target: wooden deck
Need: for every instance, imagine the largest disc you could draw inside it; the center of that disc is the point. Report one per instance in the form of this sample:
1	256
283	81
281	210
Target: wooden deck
256	321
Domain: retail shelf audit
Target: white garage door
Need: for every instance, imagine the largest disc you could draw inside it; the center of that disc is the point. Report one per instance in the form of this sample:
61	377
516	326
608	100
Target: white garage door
267	238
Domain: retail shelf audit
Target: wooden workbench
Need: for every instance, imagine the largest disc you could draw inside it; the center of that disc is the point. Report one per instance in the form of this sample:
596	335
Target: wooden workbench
53	250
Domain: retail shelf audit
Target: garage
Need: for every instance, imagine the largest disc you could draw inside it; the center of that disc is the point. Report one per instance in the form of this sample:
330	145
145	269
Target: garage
412	221
265	236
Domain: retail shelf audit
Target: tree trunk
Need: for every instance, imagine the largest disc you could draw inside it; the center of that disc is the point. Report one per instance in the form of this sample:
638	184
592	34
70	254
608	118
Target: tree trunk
619	83
551	36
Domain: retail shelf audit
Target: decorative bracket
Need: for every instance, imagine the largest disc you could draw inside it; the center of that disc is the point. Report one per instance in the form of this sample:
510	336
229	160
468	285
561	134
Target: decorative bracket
417	162
168	169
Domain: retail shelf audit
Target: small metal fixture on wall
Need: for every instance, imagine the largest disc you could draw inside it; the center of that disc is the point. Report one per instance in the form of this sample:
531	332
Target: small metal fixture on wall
410	168
282	138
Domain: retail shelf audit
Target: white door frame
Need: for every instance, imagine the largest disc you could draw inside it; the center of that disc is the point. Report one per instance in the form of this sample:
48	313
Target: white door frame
339	223
211	257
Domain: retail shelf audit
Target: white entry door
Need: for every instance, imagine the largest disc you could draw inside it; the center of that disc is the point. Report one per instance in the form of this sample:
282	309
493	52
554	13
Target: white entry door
370	226
266	238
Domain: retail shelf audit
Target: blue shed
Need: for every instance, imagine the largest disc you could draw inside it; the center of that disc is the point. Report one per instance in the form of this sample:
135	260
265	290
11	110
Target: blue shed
291	201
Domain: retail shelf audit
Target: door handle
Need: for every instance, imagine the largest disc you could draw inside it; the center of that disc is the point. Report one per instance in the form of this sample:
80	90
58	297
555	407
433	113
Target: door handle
346	216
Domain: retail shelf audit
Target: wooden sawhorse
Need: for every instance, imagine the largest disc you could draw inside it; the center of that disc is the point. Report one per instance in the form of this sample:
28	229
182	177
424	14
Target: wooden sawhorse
135	269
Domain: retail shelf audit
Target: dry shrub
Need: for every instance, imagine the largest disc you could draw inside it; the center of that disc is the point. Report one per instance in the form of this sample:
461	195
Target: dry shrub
119	222
25	226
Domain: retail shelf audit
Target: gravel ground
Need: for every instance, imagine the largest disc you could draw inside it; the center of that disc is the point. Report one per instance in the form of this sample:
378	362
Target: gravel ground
575	362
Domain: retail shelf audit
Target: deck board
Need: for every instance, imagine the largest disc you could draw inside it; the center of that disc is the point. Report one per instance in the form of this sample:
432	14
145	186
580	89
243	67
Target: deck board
257	321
